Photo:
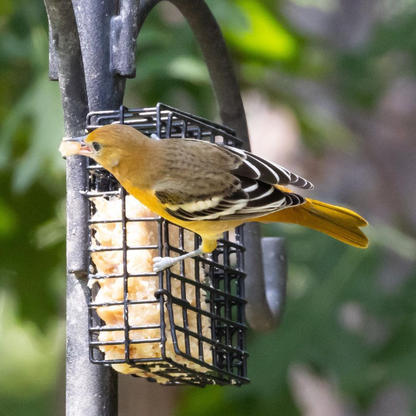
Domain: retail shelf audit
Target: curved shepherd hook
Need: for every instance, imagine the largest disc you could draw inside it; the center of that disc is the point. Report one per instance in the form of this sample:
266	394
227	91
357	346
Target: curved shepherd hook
81	47
91	63
265	286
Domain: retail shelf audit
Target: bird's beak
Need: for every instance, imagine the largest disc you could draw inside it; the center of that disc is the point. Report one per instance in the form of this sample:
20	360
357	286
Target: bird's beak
75	146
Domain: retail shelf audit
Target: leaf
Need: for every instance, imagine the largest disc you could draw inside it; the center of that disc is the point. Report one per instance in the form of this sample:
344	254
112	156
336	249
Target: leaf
265	37
189	69
394	239
41	105
8	220
26	354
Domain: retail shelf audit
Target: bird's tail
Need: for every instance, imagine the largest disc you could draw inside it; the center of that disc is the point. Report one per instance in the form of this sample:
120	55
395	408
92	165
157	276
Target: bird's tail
340	223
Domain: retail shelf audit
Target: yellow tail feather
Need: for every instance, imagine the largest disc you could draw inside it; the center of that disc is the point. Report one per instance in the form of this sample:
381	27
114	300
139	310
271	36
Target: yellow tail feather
340	223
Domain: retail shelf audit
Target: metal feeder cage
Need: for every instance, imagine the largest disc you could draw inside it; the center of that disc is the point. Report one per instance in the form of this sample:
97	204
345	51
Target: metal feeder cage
185	325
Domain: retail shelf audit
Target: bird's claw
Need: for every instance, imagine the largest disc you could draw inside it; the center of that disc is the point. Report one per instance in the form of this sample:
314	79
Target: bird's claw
162	263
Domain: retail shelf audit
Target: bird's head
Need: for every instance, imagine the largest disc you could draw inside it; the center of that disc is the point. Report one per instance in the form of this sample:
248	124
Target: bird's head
107	145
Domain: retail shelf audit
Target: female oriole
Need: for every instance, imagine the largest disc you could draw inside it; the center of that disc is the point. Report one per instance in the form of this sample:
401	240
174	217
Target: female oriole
210	188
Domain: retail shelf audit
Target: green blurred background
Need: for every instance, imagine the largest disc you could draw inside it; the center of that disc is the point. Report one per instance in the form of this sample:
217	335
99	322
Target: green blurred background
330	92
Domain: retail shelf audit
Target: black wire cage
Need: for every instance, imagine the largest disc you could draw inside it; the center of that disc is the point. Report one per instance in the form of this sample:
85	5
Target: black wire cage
184	325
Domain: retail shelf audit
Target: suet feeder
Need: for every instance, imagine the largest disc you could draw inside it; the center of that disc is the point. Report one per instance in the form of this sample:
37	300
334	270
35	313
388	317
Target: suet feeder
184	325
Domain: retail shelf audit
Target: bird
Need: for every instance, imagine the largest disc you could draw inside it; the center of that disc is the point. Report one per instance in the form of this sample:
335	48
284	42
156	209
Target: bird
210	188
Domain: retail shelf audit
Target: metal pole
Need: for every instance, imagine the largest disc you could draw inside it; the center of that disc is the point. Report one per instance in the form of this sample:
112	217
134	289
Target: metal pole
94	19
91	390
266	297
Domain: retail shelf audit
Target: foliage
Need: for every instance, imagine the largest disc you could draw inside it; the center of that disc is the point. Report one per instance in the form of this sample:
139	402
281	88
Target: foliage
275	58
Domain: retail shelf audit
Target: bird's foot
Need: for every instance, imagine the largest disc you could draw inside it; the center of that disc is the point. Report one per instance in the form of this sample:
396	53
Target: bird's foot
162	263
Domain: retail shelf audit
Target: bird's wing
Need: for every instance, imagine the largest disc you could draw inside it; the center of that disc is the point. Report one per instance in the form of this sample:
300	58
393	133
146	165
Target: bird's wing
240	187
255	167
254	199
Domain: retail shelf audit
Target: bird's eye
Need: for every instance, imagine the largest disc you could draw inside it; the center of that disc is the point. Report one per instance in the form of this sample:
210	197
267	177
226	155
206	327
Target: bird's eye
96	146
